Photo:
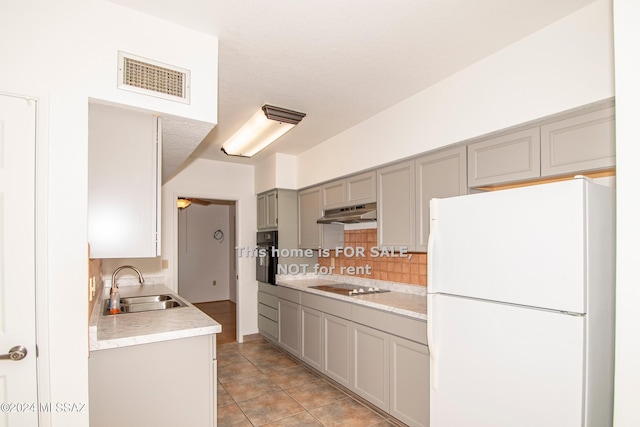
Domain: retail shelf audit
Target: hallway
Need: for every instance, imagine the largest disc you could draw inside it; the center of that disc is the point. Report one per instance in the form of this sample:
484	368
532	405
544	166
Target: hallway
223	312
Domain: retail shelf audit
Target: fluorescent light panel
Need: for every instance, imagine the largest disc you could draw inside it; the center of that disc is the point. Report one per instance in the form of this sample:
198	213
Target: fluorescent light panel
264	127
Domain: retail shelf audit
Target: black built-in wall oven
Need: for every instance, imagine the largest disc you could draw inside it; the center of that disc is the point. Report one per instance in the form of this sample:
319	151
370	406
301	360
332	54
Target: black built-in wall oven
267	258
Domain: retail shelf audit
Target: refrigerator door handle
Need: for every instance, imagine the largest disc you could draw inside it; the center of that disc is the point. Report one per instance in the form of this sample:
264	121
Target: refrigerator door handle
430	343
431	242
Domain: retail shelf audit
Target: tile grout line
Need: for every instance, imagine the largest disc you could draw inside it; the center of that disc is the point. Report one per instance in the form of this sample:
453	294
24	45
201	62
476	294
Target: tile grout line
348	393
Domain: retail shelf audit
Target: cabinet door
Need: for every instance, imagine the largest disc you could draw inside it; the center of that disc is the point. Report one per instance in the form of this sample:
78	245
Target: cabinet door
576	144
335	341
309	210
261	200
123	183
361	188
409	389
512	157
289	326
334	194
396	206
442	174
311	346
272	209
370	365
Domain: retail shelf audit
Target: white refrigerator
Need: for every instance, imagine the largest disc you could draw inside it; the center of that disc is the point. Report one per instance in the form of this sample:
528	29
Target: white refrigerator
520	307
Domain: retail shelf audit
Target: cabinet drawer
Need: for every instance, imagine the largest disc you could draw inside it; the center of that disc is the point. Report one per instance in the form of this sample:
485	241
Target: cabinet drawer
268	300
411	329
268	326
268	312
267	288
289	294
327	305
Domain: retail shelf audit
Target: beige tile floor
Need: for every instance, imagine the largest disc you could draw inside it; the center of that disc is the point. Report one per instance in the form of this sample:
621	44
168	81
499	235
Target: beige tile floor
258	385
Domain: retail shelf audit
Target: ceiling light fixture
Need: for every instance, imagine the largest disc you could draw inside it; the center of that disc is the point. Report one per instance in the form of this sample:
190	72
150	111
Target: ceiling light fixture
267	125
183	203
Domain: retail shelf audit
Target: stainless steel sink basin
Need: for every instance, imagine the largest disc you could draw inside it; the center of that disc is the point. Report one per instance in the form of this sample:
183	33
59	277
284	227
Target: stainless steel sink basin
145	299
145	303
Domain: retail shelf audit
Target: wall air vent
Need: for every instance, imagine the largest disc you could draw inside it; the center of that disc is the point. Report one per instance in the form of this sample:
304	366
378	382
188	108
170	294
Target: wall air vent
153	78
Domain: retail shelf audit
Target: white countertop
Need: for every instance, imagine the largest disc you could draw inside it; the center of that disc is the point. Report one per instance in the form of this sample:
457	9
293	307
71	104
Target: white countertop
406	300
123	330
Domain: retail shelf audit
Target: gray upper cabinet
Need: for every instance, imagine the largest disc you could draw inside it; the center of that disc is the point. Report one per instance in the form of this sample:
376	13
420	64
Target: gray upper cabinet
506	158
267	210
578	142
353	190
309	210
124	181
581	143
396	205
334	194
438	175
361	188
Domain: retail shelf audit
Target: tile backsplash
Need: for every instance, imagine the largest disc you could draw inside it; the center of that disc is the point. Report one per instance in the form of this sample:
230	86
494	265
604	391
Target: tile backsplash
370	262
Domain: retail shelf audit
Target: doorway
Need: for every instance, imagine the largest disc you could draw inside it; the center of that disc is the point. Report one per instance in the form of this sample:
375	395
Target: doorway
206	260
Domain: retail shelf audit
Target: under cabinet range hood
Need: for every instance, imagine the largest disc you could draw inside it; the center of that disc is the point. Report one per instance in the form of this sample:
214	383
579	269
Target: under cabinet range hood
349	215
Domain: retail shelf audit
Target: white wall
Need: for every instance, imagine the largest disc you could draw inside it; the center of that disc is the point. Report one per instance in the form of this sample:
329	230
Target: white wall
224	181
63	53
201	258
276	171
565	65
627	381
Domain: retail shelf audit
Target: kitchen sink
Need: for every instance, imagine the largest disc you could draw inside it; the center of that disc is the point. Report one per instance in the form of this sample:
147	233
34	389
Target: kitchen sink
145	303
145	299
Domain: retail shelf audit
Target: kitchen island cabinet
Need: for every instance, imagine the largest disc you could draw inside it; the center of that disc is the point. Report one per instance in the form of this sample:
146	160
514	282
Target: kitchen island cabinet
141	364
166	383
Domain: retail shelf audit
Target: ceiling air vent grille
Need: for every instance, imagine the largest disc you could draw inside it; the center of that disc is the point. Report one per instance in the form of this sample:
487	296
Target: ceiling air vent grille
153	78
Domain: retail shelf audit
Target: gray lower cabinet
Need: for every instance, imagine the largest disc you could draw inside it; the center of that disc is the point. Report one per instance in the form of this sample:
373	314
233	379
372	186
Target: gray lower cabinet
410	381
268	311
370	364
311	340
335	340
289	326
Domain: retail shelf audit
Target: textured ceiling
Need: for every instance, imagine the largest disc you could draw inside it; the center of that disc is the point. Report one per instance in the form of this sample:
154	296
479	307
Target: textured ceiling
342	61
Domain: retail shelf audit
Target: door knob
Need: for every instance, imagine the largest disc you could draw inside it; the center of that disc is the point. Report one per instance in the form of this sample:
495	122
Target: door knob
15	353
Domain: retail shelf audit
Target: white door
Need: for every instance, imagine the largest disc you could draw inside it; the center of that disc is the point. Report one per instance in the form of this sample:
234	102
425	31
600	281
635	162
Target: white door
18	392
499	365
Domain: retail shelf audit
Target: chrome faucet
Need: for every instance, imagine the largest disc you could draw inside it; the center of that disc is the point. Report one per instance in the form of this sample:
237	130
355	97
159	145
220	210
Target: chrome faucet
113	277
